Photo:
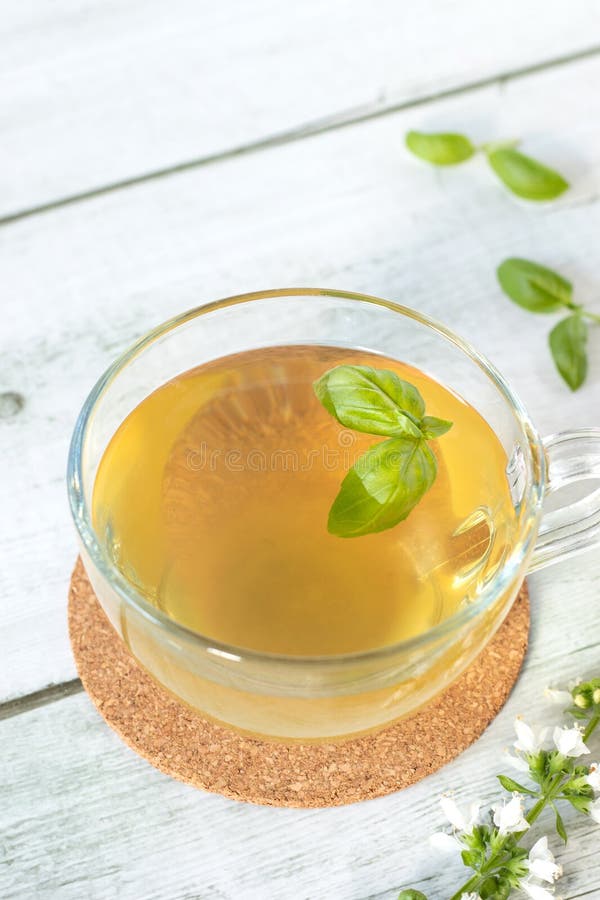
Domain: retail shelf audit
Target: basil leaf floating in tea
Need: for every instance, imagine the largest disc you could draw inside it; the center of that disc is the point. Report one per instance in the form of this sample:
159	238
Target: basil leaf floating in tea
540	290
386	482
534	287
374	401
433	427
441	149
567	345
524	176
383	487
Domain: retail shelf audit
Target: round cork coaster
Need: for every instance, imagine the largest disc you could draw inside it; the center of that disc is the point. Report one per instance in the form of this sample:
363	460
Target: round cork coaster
210	756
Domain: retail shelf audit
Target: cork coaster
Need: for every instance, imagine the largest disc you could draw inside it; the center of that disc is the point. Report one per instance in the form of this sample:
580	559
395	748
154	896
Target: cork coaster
181	743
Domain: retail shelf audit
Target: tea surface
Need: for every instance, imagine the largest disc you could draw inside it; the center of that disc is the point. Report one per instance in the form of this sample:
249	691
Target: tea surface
214	493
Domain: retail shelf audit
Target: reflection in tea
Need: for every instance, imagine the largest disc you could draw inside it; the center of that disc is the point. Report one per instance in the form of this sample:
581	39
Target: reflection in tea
214	493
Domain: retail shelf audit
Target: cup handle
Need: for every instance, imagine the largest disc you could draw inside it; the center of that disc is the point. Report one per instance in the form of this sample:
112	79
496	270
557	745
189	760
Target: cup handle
570	528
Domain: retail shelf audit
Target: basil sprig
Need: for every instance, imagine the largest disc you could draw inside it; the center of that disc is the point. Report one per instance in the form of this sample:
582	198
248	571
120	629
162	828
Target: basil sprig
387	481
540	290
524	176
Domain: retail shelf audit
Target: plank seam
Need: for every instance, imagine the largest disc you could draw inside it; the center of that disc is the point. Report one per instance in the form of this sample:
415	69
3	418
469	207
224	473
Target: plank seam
43	697
340	120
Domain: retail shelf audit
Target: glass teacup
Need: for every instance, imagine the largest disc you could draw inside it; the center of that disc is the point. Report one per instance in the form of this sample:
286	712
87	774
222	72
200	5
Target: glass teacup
336	696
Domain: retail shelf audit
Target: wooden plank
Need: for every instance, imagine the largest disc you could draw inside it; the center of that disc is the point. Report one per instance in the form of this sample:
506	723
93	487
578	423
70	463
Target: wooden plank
350	209
99	93
81	815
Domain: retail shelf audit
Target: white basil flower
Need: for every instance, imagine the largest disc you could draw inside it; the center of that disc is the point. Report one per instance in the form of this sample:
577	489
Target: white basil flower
517	762
541	862
569	741
593	779
563	698
457	818
445	843
527	740
508	817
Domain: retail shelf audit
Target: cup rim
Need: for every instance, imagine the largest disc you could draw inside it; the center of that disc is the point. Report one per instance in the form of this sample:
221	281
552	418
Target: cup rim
81	513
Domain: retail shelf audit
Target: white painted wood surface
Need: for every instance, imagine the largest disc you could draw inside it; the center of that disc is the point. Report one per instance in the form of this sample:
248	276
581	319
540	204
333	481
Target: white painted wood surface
99	93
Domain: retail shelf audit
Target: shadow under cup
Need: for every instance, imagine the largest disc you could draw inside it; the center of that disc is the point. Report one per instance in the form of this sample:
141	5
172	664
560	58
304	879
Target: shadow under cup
318	698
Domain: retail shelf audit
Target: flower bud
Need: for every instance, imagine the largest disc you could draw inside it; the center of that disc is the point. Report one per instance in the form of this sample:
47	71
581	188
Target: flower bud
596	695
582	701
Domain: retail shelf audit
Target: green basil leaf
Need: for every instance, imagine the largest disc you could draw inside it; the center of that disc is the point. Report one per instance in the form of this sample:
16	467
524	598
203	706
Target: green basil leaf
432	427
577	713
490	889
477	838
472	858
411	895
579	786
509	784
581	804
567	344
382	488
375	401
441	149
526	177
560	826
534	287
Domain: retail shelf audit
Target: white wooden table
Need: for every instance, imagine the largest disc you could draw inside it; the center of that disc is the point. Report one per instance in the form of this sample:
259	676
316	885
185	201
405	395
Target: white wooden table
155	156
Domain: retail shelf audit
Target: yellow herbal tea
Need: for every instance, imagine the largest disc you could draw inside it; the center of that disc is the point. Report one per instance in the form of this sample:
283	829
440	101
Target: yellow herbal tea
213	498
